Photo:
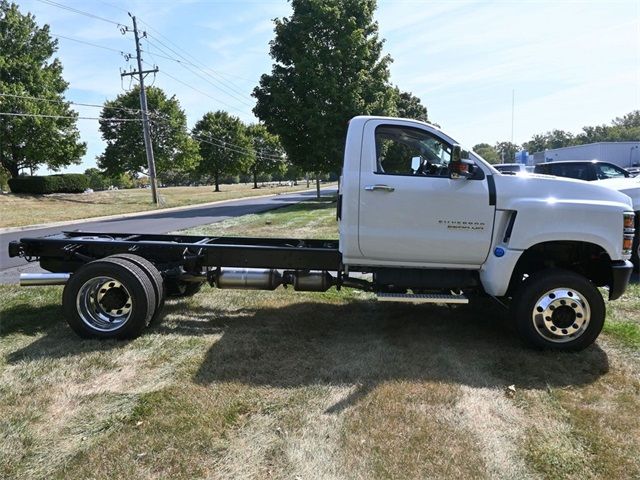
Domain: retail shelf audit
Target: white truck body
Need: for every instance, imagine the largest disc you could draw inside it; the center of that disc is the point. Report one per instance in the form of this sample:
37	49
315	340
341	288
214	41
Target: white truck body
437	222
428	224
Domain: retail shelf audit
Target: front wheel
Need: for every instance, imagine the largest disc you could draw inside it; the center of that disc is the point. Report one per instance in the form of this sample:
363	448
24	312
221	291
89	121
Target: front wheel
558	310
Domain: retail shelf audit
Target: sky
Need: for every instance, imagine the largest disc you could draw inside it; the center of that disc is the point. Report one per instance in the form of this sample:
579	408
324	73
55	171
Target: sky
560	64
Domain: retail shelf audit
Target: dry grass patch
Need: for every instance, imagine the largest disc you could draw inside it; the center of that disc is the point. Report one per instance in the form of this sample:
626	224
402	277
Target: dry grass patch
235	384
19	210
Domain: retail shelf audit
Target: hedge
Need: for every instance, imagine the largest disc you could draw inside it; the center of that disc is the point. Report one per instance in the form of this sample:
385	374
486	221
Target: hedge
62	183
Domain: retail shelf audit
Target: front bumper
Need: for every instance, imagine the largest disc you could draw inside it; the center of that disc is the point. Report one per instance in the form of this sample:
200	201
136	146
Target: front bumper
620	275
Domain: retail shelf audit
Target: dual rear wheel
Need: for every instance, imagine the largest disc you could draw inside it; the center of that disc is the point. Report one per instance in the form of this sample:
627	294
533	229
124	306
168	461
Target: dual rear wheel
114	297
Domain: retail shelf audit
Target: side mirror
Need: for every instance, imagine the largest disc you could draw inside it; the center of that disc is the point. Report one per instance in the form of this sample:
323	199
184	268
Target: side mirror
458	169
415	163
461	167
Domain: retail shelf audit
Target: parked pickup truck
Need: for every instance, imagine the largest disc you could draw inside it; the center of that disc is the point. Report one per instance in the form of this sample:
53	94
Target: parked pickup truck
429	222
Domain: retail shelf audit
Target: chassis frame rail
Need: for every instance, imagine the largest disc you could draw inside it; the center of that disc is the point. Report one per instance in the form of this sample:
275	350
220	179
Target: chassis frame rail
68	250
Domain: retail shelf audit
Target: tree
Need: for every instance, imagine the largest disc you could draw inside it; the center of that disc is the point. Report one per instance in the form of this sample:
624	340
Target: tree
97	179
559	138
328	67
538	143
626	128
410	106
268	153
507	151
488	152
173	148
225	147
27	70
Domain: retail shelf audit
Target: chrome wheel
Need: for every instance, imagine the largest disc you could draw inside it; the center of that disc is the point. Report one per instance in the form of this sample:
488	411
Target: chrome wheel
104	304
561	315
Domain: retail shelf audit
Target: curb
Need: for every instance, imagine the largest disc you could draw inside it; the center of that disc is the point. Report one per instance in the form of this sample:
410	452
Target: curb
118	216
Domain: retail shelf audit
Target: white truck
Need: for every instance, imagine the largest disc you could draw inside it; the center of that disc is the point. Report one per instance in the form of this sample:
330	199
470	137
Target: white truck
429	222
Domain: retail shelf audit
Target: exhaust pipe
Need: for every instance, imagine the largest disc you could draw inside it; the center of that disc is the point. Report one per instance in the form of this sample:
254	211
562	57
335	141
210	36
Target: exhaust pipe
270	279
39	279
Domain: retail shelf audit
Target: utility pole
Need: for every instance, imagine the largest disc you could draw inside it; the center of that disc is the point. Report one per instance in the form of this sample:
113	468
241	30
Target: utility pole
513	109
151	164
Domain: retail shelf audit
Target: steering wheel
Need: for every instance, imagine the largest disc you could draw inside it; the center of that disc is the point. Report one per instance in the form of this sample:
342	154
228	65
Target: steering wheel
423	169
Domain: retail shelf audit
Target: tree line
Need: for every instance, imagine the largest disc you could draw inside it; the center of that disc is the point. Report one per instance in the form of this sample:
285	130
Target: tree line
621	129
219	146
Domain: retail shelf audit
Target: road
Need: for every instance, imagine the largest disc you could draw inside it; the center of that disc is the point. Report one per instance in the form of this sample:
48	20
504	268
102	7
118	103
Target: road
156	222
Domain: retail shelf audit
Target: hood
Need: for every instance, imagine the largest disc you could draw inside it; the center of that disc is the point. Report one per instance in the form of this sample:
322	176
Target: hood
631	184
512	188
628	186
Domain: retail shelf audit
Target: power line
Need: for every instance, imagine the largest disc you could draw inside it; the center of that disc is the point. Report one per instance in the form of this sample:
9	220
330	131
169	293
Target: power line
37	115
80	12
216	72
50	100
234	148
200	91
160	34
222	87
91	44
202	67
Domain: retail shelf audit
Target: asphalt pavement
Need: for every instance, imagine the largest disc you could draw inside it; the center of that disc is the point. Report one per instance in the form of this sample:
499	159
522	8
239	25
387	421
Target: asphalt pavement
156	222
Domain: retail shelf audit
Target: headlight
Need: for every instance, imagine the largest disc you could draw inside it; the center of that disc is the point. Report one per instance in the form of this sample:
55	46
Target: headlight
629	222
629	233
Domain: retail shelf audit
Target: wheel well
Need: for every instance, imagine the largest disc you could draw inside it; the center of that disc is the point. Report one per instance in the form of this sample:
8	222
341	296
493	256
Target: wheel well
584	258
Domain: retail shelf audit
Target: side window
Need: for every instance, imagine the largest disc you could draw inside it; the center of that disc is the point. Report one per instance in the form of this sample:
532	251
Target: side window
410	151
570	170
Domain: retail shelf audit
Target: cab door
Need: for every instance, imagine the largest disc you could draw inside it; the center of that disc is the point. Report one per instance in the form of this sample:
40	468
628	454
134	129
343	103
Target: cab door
410	211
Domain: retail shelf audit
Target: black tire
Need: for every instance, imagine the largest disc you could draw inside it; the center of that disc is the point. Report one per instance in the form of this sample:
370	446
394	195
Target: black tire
100	288
558	310
178	289
154	276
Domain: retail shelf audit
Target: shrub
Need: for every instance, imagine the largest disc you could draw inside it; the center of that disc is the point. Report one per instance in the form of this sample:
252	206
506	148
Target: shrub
40	185
73	182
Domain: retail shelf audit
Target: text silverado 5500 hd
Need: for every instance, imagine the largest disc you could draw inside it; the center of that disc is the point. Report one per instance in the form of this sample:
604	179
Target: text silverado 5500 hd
426	222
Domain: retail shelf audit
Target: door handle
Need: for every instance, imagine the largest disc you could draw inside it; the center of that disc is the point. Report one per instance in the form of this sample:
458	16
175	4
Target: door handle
385	188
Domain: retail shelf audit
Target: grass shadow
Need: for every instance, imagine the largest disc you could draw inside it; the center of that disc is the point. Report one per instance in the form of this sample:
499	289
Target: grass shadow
58	341
367	343
361	343
29	320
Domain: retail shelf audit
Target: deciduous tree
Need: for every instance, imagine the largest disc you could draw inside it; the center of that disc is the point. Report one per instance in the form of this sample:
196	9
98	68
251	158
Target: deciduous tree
27	69
410	106
328	67
173	148
269	156
225	147
488	152
507	151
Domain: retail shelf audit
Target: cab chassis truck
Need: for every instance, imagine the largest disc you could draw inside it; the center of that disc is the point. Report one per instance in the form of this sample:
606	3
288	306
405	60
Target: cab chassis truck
428	220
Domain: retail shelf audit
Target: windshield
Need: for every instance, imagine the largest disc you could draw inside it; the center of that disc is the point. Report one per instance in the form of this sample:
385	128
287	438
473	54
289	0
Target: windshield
605	171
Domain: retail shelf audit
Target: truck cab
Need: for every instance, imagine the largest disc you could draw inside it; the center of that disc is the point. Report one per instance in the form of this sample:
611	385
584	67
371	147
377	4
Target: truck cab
411	220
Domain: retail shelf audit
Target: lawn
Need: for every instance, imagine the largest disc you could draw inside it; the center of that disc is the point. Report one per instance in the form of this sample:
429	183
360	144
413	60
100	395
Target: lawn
20	210
237	384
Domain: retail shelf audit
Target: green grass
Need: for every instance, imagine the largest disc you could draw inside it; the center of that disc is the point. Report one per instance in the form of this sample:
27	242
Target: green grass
627	333
310	219
284	384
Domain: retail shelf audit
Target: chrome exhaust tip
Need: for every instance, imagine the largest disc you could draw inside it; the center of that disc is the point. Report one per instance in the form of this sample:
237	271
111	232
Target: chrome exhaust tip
39	279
